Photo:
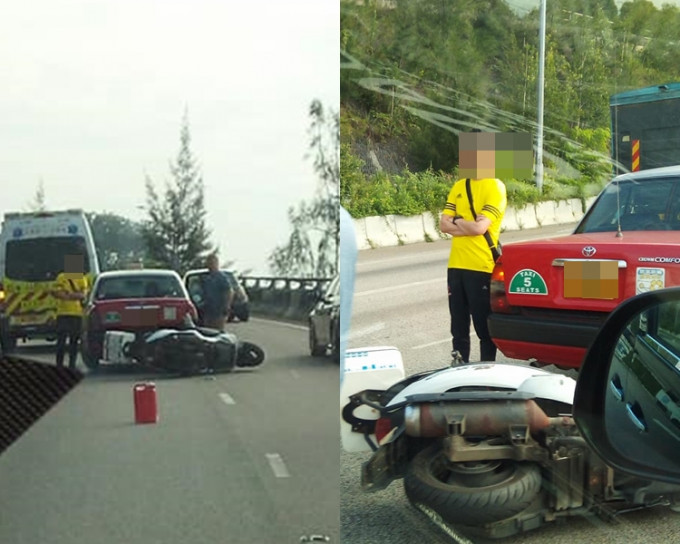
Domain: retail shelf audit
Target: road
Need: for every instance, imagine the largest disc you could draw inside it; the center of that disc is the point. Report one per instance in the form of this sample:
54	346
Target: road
240	458
400	300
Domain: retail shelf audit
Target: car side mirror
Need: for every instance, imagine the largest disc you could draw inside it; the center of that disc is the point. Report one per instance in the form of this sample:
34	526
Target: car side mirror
627	399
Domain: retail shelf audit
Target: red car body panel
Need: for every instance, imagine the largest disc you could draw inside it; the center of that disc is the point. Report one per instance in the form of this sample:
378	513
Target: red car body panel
564	325
137	315
648	250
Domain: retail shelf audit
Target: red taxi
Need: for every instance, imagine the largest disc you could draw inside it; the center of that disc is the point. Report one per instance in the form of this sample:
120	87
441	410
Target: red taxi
135	301
549	297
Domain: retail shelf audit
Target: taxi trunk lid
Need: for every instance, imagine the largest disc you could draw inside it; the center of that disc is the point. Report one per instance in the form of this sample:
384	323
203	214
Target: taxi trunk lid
588	272
135	314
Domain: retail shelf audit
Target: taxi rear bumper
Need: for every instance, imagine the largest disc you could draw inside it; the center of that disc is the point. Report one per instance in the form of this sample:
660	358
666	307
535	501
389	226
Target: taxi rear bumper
560	340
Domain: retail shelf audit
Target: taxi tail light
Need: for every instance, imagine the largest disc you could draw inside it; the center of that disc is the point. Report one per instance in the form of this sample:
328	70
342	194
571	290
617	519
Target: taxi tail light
382	428
499	300
191	311
94	321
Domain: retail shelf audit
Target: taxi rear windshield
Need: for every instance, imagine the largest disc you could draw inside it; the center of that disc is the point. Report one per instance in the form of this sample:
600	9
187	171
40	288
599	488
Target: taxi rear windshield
652	204
139	287
41	259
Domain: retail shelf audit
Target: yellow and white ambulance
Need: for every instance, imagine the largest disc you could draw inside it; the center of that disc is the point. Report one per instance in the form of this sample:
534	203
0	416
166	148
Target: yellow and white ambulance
33	246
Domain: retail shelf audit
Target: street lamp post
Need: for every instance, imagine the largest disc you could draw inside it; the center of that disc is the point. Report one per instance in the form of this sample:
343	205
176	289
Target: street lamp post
539	135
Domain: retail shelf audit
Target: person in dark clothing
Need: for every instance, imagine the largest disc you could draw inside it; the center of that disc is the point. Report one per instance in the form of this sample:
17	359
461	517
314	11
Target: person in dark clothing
71	290
217	295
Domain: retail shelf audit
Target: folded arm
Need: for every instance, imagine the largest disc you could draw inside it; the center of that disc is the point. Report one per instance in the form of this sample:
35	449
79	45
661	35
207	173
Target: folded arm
463	227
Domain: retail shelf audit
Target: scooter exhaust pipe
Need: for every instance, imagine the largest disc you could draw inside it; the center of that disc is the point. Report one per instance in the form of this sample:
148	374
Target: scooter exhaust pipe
480	418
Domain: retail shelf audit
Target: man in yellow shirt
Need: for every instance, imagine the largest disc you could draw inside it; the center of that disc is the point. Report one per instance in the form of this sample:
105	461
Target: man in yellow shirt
71	290
471	260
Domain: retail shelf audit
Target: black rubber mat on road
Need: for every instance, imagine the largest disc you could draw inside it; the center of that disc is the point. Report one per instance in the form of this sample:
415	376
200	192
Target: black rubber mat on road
27	390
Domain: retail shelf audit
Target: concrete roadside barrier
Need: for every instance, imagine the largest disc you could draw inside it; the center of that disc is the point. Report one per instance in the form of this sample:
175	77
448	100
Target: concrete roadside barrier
394	230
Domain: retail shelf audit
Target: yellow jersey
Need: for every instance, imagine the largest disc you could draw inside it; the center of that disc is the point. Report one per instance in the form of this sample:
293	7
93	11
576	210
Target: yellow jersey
71	282
490	199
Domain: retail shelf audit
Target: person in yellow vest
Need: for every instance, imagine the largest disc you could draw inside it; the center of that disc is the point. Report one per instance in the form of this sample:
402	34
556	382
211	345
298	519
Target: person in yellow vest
472	216
71	290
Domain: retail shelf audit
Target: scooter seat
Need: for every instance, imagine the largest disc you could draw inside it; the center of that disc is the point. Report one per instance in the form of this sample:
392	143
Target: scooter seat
205	331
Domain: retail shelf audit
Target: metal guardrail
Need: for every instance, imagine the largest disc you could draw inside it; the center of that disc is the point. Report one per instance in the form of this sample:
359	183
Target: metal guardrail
284	298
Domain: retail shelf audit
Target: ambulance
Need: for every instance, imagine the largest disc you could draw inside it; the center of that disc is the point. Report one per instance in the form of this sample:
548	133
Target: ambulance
32	250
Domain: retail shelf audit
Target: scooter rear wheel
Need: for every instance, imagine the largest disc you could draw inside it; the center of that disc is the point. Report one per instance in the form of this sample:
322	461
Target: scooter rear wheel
471	493
249	355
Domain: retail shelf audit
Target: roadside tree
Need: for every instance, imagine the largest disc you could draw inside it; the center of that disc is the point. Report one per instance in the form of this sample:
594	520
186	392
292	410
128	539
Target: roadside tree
175	231
312	247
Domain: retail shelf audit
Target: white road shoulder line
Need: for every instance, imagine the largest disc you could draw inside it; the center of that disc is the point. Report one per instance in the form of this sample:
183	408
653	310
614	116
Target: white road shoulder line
441	280
278	466
281	323
227	398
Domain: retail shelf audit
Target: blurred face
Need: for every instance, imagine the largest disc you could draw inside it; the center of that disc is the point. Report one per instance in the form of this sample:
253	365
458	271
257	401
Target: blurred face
73	264
495	155
213	263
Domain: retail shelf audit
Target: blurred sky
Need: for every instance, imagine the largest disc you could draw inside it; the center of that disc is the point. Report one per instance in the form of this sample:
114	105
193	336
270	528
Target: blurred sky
92	95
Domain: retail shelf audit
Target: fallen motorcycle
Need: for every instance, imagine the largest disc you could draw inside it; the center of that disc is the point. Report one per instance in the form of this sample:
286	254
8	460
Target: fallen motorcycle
485	449
187	351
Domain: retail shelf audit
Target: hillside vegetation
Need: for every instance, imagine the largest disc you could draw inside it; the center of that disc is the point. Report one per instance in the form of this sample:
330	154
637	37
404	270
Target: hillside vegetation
414	73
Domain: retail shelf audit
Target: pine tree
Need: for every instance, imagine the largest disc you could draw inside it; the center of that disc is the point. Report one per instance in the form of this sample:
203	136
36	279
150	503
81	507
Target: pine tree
38	203
175	232
312	248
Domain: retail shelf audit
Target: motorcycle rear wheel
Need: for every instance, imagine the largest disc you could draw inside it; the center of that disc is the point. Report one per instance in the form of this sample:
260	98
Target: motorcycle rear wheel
249	355
472	493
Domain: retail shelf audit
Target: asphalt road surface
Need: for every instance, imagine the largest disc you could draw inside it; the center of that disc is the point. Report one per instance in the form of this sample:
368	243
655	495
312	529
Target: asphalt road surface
401	300
241	458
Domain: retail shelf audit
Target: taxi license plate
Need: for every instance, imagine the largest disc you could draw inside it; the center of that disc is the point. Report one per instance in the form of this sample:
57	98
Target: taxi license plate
591	279
169	313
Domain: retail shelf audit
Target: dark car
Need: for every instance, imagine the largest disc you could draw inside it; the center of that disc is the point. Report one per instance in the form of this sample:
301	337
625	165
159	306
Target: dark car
193	281
550	297
627	399
133	301
324	322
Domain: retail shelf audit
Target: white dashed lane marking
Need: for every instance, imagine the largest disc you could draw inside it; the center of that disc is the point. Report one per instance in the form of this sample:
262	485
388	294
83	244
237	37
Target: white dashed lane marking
278	466
421	346
365	331
227	398
402	286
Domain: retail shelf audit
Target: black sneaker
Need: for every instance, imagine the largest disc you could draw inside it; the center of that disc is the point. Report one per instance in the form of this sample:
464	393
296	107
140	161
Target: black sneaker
456	358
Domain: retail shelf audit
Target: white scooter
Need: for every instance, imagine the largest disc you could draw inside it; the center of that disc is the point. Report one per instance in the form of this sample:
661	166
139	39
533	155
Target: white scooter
484	449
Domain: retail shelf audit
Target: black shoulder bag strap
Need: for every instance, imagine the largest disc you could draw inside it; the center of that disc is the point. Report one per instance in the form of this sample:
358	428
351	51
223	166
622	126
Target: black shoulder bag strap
496	251
73	286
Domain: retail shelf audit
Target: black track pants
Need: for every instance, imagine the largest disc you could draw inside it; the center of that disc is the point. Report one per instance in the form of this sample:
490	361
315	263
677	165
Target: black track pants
68	326
469	296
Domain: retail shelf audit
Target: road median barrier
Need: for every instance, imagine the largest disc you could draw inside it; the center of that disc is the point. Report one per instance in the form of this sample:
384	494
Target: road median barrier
284	298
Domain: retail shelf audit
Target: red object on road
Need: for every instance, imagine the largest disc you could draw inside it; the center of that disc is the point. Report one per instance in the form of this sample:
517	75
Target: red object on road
146	407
